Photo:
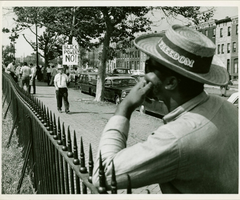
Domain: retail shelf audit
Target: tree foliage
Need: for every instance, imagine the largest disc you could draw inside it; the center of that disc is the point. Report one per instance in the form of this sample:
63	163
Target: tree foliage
118	24
7	54
50	43
94	26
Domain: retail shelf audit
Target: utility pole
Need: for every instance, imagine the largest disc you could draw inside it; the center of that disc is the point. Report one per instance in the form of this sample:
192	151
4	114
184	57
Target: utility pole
36	37
36	44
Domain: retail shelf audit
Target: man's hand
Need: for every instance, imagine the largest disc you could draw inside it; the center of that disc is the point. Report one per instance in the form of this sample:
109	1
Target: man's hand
134	99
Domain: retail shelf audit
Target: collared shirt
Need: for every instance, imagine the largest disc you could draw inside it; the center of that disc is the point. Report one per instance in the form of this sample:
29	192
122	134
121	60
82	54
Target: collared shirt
25	71
196	151
33	71
11	67
49	69
61	80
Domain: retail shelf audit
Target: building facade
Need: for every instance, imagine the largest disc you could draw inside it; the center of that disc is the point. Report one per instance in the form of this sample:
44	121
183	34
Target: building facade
224	33
132	59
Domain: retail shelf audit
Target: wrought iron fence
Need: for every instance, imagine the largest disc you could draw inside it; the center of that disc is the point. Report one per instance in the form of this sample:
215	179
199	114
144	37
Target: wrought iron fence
50	154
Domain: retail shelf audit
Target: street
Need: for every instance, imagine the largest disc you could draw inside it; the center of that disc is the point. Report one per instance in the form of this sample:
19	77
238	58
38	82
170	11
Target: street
88	118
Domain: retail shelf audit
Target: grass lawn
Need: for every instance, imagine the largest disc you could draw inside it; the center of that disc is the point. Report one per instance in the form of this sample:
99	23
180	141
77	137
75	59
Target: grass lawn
12	160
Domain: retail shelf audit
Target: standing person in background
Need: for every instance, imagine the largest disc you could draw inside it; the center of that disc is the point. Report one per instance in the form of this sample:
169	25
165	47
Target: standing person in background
76	75
224	89
39	73
53	74
67	73
11	69
25	71
32	78
60	82
49	71
18	74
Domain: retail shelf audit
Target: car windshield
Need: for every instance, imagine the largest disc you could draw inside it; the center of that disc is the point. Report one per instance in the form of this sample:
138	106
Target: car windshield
124	82
121	71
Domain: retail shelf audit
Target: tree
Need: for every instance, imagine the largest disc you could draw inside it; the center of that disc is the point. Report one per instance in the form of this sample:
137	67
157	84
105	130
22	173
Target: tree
7	54
51	45
49	42
106	25
118	24
192	13
13	37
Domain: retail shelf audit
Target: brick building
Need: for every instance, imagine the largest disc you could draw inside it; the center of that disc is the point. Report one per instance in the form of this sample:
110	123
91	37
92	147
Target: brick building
224	33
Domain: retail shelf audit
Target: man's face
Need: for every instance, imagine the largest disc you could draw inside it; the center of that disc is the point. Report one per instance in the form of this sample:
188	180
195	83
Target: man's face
153	75
60	70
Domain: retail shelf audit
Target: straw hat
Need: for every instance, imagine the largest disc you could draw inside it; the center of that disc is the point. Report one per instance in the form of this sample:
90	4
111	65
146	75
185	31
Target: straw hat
186	51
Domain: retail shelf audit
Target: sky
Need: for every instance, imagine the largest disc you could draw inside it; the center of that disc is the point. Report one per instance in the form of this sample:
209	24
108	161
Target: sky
23	48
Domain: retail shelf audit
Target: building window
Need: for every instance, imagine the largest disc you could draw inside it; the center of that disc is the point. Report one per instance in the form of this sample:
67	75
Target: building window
228	65
222	48
234	47
206	32
237	29
235	67
228	47
214	32
221	32
219	49
229	31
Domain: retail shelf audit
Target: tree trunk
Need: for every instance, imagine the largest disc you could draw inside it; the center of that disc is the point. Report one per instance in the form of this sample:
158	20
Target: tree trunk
46	62
102	69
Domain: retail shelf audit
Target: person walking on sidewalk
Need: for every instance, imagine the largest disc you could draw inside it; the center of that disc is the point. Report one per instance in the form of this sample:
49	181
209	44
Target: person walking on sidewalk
60	82
25	71
49	71
11	69
53	74
196	150
32	78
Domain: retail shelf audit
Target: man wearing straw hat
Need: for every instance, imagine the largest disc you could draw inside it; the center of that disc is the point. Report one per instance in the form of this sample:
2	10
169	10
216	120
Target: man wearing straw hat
196	150
60	82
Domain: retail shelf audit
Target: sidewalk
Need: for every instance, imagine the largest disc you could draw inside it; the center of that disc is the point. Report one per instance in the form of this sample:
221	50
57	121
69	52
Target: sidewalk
88	123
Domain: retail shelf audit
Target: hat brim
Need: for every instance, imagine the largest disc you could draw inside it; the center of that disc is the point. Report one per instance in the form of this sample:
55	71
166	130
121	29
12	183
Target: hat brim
217	74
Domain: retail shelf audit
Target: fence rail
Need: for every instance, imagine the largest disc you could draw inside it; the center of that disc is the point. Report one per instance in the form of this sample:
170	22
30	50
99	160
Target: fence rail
50	153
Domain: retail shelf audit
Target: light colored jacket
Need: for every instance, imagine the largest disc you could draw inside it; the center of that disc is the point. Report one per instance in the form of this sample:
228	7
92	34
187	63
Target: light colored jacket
196	151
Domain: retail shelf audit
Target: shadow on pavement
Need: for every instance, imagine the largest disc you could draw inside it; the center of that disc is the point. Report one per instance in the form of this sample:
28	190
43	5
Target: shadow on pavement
73	113
45	95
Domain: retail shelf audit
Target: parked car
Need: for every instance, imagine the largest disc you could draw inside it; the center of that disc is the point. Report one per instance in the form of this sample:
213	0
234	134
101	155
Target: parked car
121	72
138	77
154	107
88	82
117	87
137	72
234	98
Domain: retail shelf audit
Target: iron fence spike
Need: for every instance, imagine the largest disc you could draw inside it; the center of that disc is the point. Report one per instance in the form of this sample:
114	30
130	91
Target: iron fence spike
64	147
75	150
129	186
102	182
113	182
83	168
69	146
90	164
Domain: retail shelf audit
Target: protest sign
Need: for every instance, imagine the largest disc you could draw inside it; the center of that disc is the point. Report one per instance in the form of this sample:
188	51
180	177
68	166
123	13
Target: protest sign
70	54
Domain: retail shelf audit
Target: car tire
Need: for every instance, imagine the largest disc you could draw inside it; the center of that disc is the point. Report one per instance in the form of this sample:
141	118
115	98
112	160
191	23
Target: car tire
142	109
117	100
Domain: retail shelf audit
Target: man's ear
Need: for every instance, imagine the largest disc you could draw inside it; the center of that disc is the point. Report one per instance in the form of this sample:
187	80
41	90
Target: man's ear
171	83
